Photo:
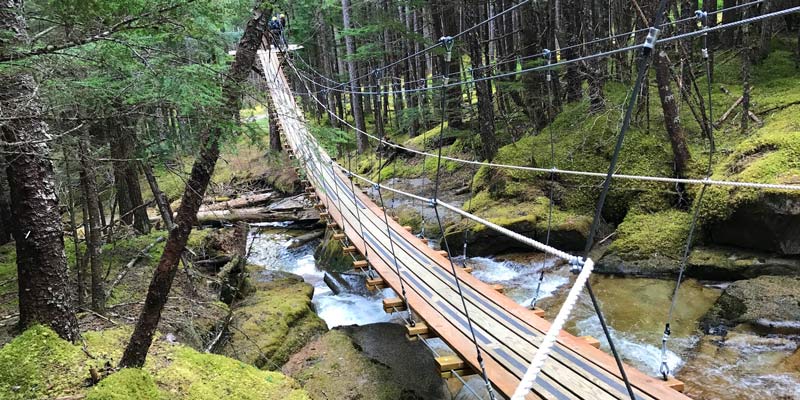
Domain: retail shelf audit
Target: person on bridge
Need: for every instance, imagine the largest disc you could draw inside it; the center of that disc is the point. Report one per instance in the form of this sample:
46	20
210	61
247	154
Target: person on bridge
276	29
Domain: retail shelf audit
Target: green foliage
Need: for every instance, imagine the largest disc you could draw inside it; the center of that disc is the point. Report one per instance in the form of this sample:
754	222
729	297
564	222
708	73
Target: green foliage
332	139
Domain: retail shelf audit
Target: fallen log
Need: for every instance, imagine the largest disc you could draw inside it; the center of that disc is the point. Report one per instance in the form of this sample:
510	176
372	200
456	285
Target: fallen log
131	263
256	215
241	202
728	113
303	239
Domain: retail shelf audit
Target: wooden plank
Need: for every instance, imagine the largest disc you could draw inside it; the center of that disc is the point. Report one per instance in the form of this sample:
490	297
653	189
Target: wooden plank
491	365
393	304
538	312
338	236
675	385
592	341
447	363
360	264
499	288
408	228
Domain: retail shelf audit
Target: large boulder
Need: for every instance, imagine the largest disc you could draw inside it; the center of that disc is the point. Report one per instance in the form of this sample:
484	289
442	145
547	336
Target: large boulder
374	361
770	223
771	303
275	320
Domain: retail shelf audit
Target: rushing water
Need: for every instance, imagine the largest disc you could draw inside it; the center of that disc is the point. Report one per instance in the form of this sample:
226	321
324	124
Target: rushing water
742	365
269	248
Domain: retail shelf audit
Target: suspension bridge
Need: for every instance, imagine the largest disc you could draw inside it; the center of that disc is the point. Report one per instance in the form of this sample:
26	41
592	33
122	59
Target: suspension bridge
489	331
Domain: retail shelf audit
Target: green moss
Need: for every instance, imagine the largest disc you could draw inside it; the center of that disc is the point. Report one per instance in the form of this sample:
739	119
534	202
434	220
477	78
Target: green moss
38	364
8	282
274	322
408	216
646	235
130	383
197	376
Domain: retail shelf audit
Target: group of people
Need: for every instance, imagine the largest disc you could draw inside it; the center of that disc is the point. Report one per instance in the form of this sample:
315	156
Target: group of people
277	28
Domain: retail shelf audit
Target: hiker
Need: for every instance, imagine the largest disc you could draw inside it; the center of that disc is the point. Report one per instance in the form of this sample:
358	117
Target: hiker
276	29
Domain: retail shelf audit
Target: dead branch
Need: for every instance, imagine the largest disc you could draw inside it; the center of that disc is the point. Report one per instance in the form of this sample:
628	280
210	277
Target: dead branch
131	263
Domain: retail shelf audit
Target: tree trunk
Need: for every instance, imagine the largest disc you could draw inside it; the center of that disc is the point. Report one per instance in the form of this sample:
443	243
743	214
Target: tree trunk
6	221
747	59
94	234
42	275
483	88
160	198
672	122
136	351
362	141
73	225
274	131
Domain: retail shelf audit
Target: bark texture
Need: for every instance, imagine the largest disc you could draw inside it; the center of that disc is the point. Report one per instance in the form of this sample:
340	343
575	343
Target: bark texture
672	121
44	295
94	234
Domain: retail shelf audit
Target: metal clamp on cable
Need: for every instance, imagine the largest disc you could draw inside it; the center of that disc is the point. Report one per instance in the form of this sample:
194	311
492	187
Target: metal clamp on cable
652	38
376	186
576	264
377	73
702	16
447	41
664	369
431	203
547	54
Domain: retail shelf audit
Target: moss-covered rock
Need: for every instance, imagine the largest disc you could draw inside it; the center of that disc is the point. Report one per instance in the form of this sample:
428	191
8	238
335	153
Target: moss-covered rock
725	263
329	255
39	365
769	302
130	383
364	362
273	322
568	231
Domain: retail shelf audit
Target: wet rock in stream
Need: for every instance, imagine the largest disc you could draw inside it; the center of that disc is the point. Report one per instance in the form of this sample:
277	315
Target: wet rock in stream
771	303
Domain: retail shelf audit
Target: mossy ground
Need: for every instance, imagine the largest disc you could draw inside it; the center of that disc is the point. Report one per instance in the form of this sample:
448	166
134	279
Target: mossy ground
40	365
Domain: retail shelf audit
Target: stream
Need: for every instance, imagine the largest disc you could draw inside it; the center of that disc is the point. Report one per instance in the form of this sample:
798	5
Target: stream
743	365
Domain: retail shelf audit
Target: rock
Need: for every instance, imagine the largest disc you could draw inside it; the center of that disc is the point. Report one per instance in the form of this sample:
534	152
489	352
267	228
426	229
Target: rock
771	303
274	321
724	263
329	255
482	241
652	267
770	223
345	282
367	362
477	386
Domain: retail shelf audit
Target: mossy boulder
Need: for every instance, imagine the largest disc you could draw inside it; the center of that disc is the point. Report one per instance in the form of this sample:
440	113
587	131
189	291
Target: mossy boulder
273	322
529	218
329	255
374	361
771	303
39	365
130	383
726	263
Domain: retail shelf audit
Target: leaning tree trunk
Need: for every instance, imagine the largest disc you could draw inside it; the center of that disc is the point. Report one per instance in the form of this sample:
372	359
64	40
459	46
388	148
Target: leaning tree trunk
159	197
672	121
355	99
93	235
43	280
136	351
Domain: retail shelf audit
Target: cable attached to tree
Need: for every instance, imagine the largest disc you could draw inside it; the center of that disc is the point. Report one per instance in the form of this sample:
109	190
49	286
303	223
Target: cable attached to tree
447	42
664	368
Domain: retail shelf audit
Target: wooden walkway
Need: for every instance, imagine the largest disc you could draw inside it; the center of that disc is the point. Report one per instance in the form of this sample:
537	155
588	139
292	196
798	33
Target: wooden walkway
507	333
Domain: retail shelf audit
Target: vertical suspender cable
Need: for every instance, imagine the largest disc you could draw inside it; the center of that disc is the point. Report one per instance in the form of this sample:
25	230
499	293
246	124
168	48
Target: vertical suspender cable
370	271
548	78
644	62
389	229
664	369
448	44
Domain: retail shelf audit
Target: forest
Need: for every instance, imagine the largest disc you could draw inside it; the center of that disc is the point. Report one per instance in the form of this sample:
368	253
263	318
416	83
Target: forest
142	154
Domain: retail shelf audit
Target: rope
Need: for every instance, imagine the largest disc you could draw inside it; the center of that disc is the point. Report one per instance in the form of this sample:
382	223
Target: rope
550	338
664	368
558	171
448	43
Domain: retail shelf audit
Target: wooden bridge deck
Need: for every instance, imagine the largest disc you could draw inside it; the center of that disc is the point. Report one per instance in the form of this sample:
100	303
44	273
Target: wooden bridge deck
507	333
